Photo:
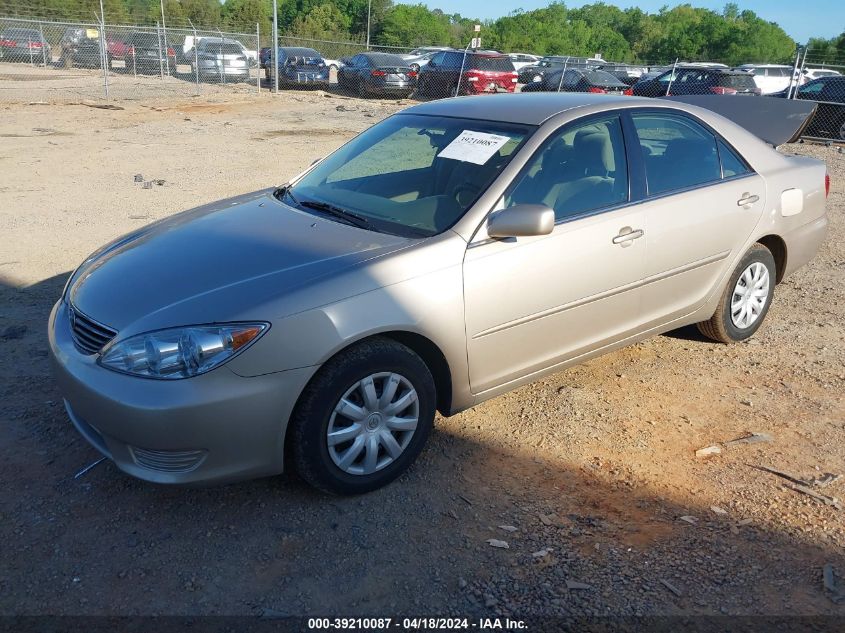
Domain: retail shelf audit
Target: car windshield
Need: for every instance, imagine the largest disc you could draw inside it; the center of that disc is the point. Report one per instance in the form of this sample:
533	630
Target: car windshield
601	78
222	49
22	34
500	63
385	59
145	39
411	175
738	81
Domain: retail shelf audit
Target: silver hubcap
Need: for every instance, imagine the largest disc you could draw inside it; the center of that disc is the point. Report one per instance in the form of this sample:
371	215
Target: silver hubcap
750	295
373	423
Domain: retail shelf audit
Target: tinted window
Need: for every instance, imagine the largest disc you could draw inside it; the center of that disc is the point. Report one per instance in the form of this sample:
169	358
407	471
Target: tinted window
601	78
732	164
224	49
149	40
678	152
386	59
737	82
485	62
581	169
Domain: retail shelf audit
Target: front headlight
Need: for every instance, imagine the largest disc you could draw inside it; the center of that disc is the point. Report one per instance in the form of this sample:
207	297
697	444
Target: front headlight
180	352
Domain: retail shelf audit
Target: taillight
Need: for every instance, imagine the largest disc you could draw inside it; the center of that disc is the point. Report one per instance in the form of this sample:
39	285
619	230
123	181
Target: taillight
171	52
35	45
471	75
378	73
597	90
719	90
629	92
130	50
9	43
412	73
826	185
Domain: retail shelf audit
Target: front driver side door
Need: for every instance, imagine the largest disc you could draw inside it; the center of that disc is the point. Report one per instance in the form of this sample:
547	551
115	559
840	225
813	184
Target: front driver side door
532	303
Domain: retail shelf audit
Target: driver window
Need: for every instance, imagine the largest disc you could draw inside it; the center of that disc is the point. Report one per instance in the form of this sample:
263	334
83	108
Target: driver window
579	169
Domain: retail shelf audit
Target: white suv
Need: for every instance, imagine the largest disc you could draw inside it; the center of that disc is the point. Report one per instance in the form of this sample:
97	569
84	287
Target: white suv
769	78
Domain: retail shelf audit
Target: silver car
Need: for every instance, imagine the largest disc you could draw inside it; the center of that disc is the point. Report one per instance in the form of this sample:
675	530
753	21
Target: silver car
220	60
448	254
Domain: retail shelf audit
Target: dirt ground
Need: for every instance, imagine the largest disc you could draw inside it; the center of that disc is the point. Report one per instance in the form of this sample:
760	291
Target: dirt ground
593	471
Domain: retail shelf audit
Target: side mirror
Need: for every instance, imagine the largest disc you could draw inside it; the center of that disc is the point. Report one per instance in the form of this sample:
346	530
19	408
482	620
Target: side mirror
522	220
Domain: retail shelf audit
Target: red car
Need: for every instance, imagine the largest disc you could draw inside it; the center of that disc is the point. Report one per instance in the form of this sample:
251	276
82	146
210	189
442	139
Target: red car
480	72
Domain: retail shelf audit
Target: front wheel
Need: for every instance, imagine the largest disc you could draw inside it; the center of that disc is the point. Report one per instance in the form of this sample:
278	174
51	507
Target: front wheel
363	419
746	299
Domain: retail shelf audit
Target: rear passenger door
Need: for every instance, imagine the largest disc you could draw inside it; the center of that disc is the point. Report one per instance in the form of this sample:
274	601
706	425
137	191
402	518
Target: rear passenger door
702	203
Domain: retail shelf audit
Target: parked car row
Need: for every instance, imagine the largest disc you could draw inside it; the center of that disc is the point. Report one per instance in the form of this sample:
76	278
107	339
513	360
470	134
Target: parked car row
210	58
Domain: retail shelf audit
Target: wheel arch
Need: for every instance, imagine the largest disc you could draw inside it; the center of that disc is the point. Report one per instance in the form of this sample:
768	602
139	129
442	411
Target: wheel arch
777	247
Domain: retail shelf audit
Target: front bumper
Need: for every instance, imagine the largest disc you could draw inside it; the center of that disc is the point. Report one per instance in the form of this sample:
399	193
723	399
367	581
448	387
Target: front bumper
215	428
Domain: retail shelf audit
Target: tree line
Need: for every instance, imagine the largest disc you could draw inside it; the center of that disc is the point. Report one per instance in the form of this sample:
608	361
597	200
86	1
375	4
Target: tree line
731	36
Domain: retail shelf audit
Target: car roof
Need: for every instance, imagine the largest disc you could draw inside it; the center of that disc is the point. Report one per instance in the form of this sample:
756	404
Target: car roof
528	109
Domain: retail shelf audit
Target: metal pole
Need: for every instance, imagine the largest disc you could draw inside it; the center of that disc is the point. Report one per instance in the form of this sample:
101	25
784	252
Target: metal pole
793	84
222	64
801	72
160	64
258	52
275	56
461	74
43	45
164	35
103	49
369	11
671	77
196	56
562	73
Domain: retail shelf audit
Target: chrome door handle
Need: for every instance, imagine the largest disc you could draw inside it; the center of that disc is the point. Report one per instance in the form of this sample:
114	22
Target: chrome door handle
627	235
746	200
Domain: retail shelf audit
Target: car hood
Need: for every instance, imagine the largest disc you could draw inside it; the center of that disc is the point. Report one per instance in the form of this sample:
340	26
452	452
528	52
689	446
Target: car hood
214	262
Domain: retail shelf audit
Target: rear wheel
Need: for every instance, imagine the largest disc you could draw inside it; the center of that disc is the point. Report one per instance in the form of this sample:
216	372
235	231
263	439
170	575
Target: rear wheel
746	298
363	419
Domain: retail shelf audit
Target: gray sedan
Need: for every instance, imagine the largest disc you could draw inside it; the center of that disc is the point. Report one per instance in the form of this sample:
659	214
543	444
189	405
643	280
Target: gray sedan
448	254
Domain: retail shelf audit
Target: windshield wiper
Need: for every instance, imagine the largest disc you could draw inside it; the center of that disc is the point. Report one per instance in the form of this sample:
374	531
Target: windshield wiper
342	214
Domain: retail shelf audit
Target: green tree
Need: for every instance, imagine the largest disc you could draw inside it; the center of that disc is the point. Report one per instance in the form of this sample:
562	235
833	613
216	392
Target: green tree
322	22
242	15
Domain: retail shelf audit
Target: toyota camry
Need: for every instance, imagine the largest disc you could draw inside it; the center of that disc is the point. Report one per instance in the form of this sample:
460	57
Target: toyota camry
448	254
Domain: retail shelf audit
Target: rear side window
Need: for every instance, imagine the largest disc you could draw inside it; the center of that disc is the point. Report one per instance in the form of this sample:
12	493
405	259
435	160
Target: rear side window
678	152
494	64
732	164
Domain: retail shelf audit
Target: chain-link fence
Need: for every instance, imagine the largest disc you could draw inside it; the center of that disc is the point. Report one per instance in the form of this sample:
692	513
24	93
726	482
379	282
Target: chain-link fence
48	60
51	61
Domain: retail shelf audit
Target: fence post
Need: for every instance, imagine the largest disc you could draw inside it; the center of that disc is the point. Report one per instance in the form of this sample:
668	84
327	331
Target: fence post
103	52
275	56
793	84
222	59
160	64
164	36
563	72
258	55
196	56
44	46
671	77
461	74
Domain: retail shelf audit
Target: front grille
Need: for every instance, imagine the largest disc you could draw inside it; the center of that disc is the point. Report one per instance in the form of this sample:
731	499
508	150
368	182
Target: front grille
88	335
168	461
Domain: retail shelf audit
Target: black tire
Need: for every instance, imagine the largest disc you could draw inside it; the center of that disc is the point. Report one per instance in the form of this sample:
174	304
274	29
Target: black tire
720	327
307	441
361	89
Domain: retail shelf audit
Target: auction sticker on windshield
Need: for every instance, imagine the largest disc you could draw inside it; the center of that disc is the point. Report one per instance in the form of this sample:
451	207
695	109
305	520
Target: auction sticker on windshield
474	147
